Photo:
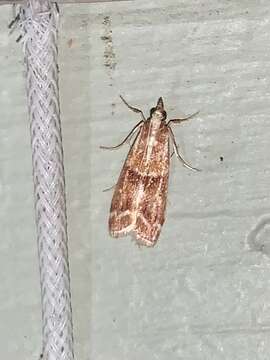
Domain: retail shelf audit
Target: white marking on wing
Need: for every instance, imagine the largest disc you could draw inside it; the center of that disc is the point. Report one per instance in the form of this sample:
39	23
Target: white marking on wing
125	230
151	140
140	216
120	215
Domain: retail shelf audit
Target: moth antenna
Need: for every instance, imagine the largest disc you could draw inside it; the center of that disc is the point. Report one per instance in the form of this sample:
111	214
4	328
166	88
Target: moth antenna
127	138
133	108
178	121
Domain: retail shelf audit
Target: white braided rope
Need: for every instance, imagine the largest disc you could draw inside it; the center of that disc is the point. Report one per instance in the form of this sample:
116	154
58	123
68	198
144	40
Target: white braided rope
39	29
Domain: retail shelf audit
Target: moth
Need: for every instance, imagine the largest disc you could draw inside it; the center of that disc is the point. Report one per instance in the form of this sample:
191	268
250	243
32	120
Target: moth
139	200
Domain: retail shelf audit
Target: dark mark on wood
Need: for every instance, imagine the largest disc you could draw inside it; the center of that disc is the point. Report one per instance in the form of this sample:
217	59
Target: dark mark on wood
109	55
113	107
70	43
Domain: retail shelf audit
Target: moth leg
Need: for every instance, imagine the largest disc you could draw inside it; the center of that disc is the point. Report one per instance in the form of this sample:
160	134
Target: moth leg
108	189
14	21
132	132
133	108
178	121
175	147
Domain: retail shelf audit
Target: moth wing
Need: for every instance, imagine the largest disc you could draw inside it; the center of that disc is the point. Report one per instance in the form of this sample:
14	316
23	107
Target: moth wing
124	203
151	210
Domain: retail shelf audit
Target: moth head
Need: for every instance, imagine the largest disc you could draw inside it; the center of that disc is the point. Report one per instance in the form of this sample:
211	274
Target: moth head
159	111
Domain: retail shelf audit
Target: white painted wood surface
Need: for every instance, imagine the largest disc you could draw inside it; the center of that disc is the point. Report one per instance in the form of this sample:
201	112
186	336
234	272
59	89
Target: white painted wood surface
203	292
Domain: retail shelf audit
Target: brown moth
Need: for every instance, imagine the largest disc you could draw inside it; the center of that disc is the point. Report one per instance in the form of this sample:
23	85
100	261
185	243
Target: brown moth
139	200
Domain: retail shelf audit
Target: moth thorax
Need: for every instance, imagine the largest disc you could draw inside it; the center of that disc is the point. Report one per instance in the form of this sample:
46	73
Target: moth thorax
157	118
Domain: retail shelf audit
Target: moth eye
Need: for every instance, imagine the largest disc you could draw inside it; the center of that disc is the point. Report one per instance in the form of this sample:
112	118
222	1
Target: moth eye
152	110
164	114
